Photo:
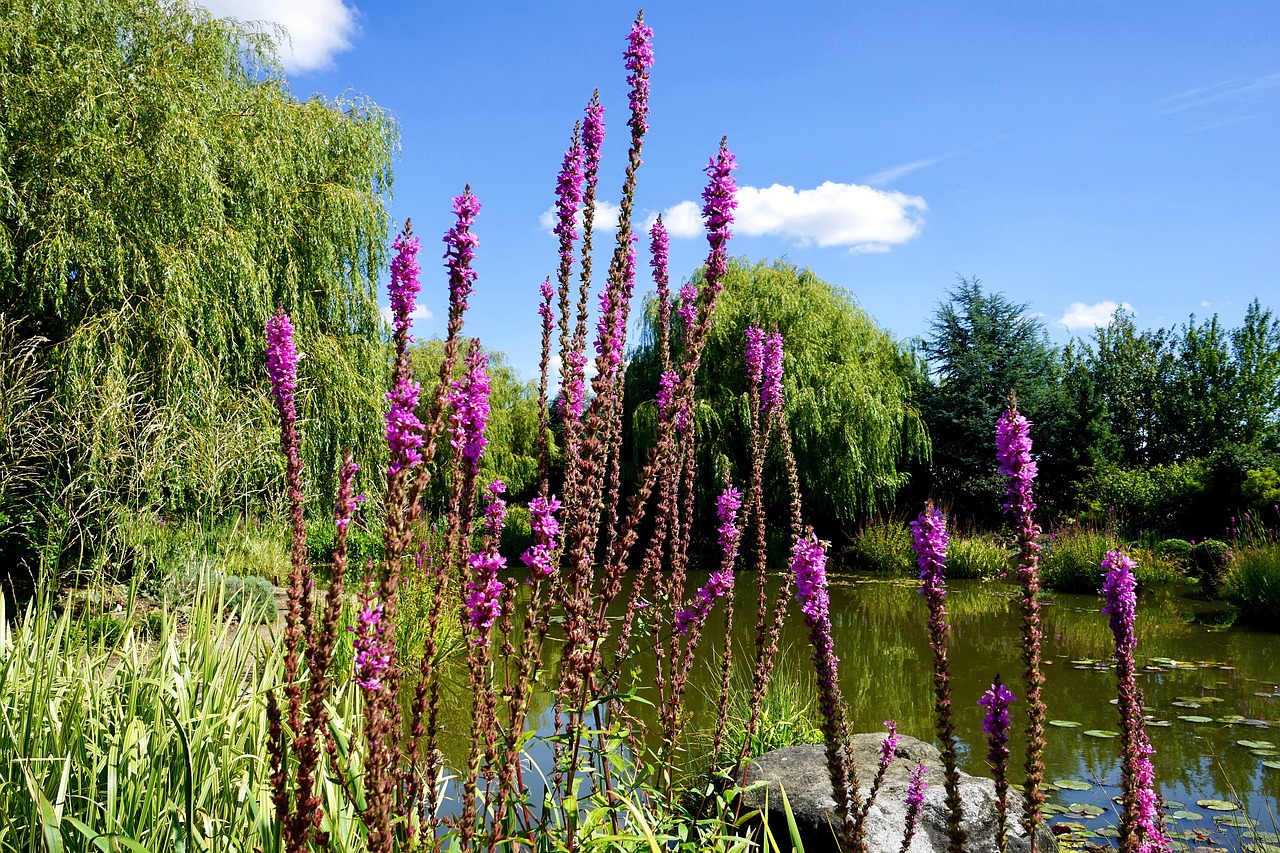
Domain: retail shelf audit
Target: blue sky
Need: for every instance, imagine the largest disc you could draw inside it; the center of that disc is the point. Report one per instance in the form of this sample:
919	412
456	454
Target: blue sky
1074	155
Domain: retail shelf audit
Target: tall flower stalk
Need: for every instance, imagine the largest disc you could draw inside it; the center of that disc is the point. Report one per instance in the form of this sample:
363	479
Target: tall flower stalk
1141	827
929	539
1013	451
995	724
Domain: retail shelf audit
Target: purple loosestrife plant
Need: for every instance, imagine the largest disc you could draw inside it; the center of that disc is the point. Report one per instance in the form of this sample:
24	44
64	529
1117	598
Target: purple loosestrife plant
404	430
404	288
1013	451
888	748
929	539
372	656
1141	828
915	802
541	557
721	581
995	724
809	569
469	399
771	394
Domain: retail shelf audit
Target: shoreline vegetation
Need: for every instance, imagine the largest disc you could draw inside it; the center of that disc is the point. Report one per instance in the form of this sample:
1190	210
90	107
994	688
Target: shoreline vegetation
438	525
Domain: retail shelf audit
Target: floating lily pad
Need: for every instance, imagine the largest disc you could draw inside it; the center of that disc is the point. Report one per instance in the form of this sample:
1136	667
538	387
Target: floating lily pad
1159	723
1264	753
1070	826
1109	832
1237	820
1195	718
1183	814
1065	724
1103	733
1174	804
1084	662
1185	703
1256	744
1263	835
1261	848
1072	785
1231	719
1217	805
1274	765
1053	808
1086	809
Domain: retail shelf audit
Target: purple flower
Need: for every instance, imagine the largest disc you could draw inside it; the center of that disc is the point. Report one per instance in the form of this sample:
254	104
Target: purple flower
717	586
461	251
688	309
771	383
721	581
719	201
809	565
659	248
574	383
404	430
568	199
483	590
470	400
495	508
404	285
639	58
916	790
544	308
1013	451
755	356
346	504
372	651
542	518
592	137
727	506
282	365
889	745
929	539
1120	597
668	383
996	721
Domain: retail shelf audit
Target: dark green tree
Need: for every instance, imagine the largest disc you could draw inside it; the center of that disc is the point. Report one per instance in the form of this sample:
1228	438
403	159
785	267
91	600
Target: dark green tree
1255	358
856	429
981	346
1130	370
160	192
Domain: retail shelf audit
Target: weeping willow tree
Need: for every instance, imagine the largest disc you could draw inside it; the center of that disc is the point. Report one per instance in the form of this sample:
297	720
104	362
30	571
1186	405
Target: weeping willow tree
160	192
848	389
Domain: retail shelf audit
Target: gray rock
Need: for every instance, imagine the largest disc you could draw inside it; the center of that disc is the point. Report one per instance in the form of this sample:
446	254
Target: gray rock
802	771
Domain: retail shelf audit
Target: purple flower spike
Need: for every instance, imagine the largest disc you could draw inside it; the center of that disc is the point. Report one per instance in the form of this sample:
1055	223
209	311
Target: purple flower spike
721	581
996	725
470	401
542	518
372	652
915	802
688	309
771	382
809	565
404	285
996	722
719	201
1120	597
282	365
404	430
755	356
889	745
639	59
667	384
660	249
495	508
929	539
461	251
575	383
483	590
568	199
1013	451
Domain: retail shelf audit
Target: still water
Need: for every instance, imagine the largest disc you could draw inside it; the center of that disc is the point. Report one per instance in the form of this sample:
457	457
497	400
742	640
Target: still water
1212	696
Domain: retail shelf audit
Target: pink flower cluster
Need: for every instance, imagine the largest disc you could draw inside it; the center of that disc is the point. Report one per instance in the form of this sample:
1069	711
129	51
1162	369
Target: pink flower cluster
404	429
809	566
639	59
484	589
929	539
889	745
469	398
1013	451
372	651
460	250
764	367
546	527
719	201
282	365
404	287
721	581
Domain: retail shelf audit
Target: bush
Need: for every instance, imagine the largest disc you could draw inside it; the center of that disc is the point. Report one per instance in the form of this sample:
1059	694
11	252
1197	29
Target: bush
977	557
1154	567
882	546
1176	551
1167	498
517	536
252	598
1253	583
363	543
1073	560
1210	559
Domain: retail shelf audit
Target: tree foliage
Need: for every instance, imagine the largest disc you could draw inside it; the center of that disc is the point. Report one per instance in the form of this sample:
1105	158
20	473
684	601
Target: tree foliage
160	192
848	385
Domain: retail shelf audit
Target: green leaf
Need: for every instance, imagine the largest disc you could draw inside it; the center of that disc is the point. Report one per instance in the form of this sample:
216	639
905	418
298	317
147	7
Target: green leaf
1072	785
1217	805
1065	724
1101	733
1193	718
1183	814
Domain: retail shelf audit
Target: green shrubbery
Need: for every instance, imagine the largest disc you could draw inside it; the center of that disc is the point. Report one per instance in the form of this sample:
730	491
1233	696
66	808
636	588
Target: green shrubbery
1210	559
884	546
1072	561
977	557
1253	583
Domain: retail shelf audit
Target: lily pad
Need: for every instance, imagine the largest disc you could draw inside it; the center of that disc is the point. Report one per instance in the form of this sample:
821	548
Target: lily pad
1185	703
1237	820
1102	733
1232	719
1086	809
1261	848
1073	785
1256	744
1053	808
1110	832
1183	814
1274	765
1159	724
1065	724
1217	805
1264	753
1195	718
1263	835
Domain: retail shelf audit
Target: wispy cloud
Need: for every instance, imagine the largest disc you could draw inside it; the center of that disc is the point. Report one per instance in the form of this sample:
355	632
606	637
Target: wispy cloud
1227	91
1217	123
1205	303
893	173
419	313
606	219
1082	316
315	30
860	218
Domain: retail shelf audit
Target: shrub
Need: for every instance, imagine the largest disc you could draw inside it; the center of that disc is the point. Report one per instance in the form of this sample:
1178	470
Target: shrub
363	543
1177	551
1155	567
1253	583
882	546
252	598
1072	562
977	557
1210	559
517	536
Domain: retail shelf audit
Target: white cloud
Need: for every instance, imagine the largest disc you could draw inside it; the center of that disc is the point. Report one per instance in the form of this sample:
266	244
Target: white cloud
893	173
1227	91
859	217
1081	316
315	29
419	313
1205	303
862	218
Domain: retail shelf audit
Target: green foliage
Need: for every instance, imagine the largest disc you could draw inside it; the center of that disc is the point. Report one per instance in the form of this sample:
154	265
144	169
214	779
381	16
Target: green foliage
1261	488
363	542
517	535
1253	583
158	549
162	192
882	545
252	598
1073	560
1210	558
848	390
970	557
1165	498
980	347
1177	551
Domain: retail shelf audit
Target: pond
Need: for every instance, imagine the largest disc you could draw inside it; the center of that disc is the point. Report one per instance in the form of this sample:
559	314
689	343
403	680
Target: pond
1212	696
